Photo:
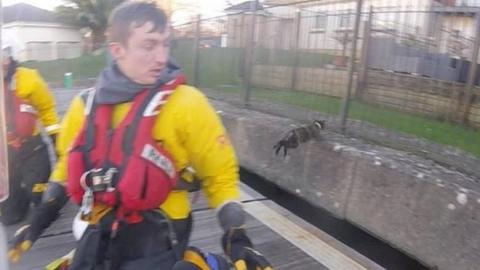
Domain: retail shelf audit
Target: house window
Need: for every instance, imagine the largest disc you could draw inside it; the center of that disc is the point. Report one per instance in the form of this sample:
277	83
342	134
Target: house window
346	19
321	20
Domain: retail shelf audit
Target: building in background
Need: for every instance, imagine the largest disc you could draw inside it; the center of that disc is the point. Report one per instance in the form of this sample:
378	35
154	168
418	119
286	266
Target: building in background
455	24
41	36
238	22
447	24
184	11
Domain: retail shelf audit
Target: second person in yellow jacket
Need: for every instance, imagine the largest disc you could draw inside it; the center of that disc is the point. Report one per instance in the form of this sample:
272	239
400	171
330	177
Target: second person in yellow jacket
27	100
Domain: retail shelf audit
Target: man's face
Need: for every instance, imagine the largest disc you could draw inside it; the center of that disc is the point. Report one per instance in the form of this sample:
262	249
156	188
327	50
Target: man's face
144	56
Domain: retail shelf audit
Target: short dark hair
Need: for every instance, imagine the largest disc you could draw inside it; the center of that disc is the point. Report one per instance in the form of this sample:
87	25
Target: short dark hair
134	14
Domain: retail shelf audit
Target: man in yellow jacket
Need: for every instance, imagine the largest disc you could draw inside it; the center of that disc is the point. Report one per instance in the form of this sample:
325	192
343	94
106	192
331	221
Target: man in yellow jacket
27	99
185	126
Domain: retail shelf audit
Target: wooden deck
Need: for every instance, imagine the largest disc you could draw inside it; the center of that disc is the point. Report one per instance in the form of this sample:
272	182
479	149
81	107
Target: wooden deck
58	240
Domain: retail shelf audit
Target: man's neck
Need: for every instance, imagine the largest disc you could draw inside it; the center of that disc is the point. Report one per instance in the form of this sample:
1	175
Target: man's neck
123	73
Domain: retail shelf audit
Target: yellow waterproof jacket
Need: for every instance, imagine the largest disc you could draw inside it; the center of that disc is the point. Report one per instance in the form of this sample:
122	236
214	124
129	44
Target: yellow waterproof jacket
190	130
30	87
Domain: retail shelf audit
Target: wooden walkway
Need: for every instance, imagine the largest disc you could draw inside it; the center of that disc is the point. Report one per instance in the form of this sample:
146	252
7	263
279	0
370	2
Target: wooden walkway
286	240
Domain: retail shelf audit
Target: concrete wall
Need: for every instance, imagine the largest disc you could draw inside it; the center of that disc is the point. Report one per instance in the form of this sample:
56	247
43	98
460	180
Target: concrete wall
426	210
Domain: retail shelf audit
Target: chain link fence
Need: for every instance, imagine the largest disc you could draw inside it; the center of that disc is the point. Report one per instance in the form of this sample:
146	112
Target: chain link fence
403	77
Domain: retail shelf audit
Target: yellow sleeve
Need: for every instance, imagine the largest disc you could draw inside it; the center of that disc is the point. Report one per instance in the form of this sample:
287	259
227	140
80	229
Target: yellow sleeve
69	128
210	152
42	99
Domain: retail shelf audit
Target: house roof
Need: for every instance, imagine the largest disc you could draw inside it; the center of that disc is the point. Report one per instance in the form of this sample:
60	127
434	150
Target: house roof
244	6
22	12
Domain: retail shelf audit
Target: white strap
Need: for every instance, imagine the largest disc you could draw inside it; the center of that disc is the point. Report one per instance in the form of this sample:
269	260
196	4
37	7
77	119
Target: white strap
89	103
51	128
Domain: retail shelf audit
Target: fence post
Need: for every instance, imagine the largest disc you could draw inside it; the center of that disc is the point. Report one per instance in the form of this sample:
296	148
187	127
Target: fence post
362	79
249	46
351	68
196	55
296	44
472	73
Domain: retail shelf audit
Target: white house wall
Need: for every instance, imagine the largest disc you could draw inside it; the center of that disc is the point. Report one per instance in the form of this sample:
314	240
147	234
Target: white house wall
464	24
275	25
387	16
42	41
465	27
410	22
471	3
312	37
277	28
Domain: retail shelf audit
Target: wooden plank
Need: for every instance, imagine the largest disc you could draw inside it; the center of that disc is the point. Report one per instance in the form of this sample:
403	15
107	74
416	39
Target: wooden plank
206	235
44	251
278	250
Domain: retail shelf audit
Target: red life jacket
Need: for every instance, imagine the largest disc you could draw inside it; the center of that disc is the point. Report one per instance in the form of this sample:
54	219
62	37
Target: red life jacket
20	115
143	173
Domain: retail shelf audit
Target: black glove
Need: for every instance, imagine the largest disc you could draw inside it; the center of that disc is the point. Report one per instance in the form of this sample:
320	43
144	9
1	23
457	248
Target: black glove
239	249
20	243
24	238
54	198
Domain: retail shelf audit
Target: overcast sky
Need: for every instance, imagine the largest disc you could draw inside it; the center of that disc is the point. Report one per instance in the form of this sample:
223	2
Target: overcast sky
45	4
205	6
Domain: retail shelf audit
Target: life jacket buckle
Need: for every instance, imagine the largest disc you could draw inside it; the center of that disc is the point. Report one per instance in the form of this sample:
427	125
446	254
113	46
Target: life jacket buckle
98	180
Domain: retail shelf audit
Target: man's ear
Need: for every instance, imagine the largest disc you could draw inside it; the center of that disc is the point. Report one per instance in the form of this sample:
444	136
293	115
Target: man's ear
116	50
